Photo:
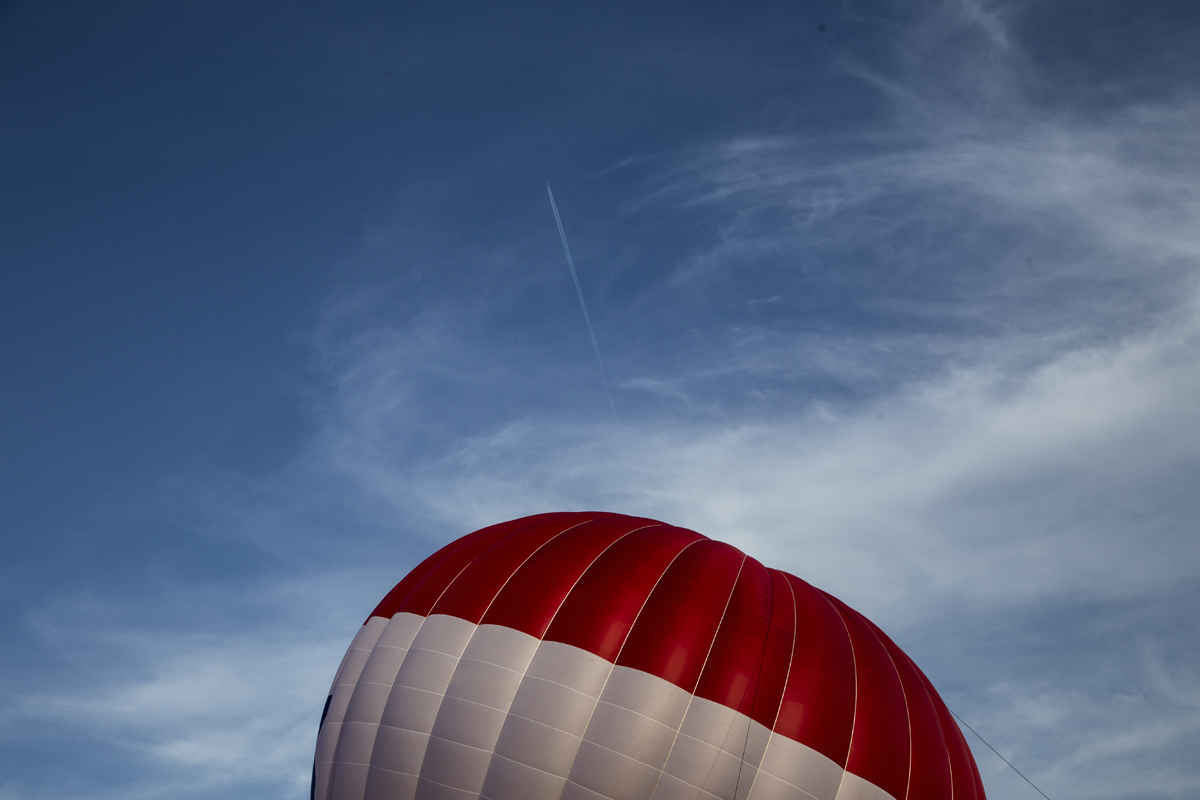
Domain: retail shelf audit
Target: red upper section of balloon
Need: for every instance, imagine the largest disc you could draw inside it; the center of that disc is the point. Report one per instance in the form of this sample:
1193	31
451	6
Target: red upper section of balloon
713	621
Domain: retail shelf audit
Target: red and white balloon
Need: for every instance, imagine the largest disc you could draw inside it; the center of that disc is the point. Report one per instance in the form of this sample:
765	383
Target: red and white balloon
591	655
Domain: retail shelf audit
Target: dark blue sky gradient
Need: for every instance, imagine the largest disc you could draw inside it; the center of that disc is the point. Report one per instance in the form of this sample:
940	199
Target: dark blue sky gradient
900	297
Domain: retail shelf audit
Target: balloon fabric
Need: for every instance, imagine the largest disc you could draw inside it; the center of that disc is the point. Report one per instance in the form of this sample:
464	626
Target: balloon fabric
589	655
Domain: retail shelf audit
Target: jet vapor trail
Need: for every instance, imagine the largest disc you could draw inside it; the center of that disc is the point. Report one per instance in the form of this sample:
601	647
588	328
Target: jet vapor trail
571	263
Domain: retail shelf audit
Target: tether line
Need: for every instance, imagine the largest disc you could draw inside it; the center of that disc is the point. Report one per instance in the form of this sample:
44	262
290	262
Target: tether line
948	708
994	750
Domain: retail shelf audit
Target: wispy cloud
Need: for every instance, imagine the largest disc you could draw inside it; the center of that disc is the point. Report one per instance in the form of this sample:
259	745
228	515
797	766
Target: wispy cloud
209	692
944	365
1016	434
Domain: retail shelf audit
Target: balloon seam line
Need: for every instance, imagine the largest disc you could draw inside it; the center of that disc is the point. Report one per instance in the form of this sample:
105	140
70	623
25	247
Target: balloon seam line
707	655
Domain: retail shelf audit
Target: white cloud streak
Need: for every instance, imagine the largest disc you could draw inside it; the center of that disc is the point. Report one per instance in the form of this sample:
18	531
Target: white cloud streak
186	709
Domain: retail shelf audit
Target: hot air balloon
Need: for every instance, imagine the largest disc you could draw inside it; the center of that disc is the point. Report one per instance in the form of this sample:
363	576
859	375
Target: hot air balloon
593	655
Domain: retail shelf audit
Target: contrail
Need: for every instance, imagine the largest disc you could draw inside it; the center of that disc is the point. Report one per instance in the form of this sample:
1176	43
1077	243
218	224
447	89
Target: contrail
571	263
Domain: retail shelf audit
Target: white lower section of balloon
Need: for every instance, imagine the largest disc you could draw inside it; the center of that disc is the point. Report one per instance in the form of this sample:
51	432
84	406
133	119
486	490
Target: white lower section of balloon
436	707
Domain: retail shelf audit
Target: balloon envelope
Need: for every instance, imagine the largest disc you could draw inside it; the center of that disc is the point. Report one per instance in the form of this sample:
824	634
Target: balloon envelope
593	655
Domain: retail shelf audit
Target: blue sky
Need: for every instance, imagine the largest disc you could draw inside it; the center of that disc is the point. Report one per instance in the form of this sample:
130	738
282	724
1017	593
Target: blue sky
899	297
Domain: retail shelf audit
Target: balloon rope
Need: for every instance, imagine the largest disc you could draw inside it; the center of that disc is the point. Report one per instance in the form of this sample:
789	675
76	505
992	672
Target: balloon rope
956	716
994	750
